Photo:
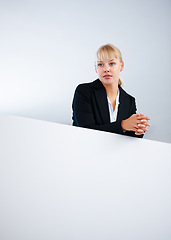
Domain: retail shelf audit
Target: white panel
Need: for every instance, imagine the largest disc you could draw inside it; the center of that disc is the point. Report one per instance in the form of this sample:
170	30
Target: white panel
63	182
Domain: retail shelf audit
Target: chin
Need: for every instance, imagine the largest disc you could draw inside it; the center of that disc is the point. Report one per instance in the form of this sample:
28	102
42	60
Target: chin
107	82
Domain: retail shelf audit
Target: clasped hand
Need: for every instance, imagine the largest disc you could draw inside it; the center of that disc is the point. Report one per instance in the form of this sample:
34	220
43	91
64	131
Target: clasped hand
137	123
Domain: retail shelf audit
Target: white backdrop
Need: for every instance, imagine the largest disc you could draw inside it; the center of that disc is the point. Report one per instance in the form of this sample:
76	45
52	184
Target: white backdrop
47	48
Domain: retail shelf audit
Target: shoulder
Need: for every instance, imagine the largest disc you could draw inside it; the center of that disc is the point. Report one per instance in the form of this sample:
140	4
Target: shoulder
124	94
88	88
91	85
127	102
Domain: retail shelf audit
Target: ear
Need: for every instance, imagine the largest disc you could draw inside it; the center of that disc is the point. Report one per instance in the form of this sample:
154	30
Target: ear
122	66
95	68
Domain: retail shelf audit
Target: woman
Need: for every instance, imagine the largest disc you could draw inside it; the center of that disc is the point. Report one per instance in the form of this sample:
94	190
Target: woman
103	104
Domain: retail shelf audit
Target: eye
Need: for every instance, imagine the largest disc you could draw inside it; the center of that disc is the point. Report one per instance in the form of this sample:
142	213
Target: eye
100	65
112	63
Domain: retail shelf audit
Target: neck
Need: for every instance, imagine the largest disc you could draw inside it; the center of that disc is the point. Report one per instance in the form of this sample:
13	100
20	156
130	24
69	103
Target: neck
111	90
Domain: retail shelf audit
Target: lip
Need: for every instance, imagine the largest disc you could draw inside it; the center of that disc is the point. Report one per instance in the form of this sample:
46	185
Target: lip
107	76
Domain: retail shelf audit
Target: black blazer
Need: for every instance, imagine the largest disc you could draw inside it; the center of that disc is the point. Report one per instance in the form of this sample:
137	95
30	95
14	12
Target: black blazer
90	108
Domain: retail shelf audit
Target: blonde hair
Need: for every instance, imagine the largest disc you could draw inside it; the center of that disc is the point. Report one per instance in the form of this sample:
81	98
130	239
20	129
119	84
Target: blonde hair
109	51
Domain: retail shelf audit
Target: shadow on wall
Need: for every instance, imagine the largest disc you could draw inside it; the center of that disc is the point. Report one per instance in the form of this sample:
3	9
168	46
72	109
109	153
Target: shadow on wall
52	112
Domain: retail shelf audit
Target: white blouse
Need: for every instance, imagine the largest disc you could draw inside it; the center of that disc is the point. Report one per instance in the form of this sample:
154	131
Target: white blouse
113	114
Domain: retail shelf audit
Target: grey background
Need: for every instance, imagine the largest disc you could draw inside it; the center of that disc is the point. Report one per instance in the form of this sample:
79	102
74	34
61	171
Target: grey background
47	48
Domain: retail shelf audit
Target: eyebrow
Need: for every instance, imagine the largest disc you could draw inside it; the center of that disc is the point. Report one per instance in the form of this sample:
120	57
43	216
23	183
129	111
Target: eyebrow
109	60
112	60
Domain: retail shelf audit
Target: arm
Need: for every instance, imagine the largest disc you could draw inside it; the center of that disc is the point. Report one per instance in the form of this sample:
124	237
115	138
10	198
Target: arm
136	124
84	114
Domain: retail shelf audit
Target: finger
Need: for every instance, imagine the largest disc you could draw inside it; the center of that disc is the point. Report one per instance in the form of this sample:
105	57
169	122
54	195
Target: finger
141	125
139	132
143	117
140	114
144	129
145	123
147	118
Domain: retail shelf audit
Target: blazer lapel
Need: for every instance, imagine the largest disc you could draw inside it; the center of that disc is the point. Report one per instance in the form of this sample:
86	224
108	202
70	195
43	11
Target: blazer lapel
122	108
102	103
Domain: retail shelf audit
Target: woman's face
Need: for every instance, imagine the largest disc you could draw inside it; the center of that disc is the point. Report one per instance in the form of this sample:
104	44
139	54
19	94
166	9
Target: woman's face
109	70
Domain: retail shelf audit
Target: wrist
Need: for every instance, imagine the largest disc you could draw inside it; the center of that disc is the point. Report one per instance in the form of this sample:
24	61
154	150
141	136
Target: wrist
123	125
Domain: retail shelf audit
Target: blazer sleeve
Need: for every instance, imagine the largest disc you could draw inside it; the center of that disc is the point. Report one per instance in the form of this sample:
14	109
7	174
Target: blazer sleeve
133	110
83	112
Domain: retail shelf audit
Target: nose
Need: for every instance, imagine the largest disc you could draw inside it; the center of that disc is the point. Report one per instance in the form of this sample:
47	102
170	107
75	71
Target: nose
106	68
